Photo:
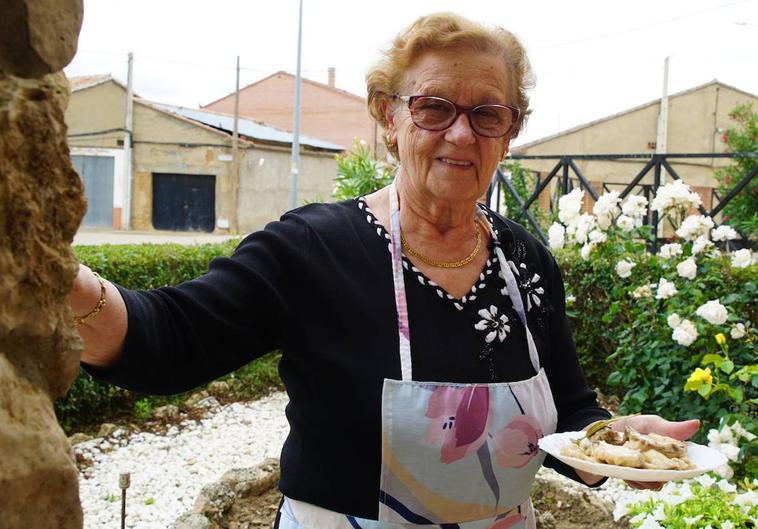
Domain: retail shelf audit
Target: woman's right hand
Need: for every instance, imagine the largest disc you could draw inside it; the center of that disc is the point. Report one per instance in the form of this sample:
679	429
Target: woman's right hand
104	332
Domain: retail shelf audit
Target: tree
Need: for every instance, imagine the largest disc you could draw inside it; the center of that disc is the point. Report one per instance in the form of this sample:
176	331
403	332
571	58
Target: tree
742	211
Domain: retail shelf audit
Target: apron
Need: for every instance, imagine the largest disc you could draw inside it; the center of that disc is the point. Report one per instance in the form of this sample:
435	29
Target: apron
454	456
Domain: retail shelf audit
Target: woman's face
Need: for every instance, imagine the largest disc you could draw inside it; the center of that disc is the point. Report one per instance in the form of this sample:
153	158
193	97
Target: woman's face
455	164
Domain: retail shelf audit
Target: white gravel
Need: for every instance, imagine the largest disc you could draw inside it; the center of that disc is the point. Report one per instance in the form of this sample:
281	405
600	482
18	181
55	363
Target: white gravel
168	471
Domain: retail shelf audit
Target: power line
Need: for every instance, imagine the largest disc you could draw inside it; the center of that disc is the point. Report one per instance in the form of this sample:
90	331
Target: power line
139	58
638	28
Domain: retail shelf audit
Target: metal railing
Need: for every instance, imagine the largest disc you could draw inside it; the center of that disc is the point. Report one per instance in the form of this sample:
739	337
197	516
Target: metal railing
566	165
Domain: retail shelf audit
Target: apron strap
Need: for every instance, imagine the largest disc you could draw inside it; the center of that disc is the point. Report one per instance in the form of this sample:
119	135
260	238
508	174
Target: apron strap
403	326
518	305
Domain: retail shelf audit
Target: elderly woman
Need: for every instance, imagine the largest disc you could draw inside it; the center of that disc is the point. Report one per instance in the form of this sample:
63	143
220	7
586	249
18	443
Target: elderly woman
425	345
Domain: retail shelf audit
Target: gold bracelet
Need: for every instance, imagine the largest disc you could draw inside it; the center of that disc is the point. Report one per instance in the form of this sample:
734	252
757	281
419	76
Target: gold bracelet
78	320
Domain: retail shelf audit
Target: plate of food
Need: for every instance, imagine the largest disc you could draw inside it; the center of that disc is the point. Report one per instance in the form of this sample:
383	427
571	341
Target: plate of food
632	455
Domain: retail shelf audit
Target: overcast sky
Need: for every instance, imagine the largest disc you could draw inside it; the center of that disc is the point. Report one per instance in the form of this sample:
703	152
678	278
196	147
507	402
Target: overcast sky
591	58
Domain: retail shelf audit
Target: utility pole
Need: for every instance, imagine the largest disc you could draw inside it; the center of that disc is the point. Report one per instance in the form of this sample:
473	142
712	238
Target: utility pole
235	154
126	211
296	129
661	133
663	114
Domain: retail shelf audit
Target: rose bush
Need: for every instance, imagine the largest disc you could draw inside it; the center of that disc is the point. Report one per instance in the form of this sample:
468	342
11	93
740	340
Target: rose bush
680	330
659	313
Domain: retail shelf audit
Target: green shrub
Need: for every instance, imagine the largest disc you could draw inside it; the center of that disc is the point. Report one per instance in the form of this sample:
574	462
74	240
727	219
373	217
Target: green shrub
358	174
146	266
625	344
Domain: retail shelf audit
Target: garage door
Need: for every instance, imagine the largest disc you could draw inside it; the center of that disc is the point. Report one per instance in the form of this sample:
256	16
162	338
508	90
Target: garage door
97	174
184	202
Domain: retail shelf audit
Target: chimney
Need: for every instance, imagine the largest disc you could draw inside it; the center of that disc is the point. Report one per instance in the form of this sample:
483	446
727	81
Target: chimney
332	72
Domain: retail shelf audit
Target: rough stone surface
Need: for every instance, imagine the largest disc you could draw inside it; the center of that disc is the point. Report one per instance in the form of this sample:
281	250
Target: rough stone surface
238	486
38	37
41	206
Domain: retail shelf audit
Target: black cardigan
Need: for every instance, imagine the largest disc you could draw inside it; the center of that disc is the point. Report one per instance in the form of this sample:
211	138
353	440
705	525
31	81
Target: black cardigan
318	286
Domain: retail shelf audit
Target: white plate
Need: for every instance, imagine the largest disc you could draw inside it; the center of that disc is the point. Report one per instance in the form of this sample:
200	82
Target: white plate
703	457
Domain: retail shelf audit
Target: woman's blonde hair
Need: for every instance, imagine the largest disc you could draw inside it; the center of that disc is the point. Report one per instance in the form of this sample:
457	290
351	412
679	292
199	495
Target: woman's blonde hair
442	31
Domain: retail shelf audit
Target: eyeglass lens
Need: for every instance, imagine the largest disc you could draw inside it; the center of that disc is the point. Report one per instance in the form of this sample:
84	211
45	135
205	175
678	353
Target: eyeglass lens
434	113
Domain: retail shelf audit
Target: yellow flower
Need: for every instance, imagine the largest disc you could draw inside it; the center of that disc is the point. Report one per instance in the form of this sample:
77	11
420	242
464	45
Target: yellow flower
720	338
701	375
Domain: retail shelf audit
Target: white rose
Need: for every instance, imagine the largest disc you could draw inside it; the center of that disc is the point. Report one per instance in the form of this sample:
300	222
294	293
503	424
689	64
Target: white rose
635	206
741	258
606	208
694	226
724	233
624	268
685	333
582	227
687	269
586	251
556	236
570	299
666	289
674	196
740	431
569	206
713	311
597	236
625	223
738	331
701	245
674	321
670	250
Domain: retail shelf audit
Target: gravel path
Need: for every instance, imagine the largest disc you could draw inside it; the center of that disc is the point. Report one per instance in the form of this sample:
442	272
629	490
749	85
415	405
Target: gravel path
168	471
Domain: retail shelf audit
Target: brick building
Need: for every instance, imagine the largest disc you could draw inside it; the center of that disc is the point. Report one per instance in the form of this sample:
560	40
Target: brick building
327	112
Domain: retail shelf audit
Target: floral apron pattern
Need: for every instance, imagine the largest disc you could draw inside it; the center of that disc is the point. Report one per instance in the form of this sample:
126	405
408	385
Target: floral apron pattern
454	456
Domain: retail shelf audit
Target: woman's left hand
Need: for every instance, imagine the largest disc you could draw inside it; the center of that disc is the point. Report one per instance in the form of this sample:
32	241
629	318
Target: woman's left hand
681	430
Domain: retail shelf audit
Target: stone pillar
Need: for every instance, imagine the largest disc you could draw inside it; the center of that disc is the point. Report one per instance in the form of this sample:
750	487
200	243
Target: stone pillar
41	206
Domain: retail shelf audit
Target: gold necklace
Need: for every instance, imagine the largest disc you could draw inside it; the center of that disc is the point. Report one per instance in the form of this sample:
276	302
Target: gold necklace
444	264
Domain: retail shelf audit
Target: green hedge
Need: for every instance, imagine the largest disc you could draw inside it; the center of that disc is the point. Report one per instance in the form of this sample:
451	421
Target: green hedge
146	266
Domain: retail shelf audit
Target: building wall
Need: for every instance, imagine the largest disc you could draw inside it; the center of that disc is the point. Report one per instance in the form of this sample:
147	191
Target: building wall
326	113
95	109
265	183
164	143
696	122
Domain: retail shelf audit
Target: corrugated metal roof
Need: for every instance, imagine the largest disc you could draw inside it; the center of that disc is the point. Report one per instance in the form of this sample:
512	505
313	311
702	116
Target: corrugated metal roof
247	127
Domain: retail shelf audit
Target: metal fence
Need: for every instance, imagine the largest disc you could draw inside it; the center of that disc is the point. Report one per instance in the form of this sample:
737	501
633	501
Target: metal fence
565	166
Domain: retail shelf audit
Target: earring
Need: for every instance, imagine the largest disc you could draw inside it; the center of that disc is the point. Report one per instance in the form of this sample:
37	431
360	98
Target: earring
388	141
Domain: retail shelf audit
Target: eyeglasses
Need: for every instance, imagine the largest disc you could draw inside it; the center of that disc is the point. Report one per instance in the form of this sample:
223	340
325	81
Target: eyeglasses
437	113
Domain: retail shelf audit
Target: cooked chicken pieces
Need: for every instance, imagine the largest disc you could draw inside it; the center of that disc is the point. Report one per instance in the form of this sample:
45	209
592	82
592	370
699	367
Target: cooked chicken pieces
665	445
615	455
631	449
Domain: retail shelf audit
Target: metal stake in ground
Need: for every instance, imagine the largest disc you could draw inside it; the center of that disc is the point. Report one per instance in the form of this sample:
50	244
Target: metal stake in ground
123	483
